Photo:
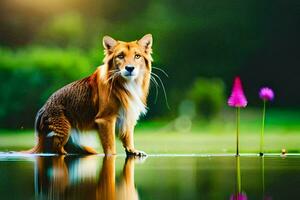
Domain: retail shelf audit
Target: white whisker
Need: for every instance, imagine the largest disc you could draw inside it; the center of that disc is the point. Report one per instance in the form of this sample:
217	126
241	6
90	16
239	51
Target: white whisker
163	87
163	71
152	78
114	74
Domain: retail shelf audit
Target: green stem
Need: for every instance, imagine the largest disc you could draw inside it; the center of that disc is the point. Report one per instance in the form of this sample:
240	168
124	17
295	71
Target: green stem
237	130
262	130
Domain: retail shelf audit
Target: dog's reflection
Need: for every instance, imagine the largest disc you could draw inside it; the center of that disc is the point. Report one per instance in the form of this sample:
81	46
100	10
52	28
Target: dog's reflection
70	177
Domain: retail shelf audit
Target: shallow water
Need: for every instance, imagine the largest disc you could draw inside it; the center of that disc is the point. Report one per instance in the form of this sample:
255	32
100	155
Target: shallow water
156	177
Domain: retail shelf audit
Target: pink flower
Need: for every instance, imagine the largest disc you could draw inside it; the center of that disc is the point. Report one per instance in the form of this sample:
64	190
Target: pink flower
237	97
266	94
239	196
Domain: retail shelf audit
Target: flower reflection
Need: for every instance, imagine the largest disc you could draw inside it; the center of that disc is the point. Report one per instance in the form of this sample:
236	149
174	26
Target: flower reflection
239	195
72	177
264	196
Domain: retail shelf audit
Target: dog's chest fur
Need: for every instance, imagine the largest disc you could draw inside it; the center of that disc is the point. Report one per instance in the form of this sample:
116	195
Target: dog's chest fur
135	107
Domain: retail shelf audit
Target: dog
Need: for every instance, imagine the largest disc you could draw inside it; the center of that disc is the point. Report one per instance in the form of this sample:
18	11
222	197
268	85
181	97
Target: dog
109	100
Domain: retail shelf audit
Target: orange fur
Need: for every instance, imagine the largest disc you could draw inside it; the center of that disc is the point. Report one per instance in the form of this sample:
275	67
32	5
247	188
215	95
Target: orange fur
114	95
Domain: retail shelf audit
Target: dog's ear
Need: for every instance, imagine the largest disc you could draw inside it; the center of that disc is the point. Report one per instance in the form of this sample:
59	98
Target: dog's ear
109	43
146	42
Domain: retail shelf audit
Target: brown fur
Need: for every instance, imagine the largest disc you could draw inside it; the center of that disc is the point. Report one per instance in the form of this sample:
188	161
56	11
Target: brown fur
99	102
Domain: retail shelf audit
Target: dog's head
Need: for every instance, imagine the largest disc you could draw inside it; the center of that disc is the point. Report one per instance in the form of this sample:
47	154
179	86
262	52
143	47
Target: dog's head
130	60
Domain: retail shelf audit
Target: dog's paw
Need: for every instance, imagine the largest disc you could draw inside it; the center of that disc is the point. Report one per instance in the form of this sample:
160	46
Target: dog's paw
135	152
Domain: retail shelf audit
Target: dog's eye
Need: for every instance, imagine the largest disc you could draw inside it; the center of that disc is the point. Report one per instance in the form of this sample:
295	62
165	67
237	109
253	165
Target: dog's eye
121	56
137	56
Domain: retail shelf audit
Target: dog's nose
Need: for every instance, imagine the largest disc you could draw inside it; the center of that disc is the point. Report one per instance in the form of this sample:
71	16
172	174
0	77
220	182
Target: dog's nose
129	68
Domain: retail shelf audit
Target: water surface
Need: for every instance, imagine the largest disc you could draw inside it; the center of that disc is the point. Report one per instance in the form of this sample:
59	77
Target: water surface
156	177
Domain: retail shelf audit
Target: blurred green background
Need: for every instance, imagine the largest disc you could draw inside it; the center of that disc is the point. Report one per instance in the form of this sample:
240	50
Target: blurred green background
201	44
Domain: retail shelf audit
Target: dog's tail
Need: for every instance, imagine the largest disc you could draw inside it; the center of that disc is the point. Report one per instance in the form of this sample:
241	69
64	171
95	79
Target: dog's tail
39	147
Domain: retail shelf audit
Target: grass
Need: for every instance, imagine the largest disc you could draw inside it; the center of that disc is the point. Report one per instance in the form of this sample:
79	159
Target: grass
172	142
185	137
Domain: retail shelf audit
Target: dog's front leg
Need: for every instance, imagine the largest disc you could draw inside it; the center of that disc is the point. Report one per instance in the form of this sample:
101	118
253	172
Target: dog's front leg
106	131
128	142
